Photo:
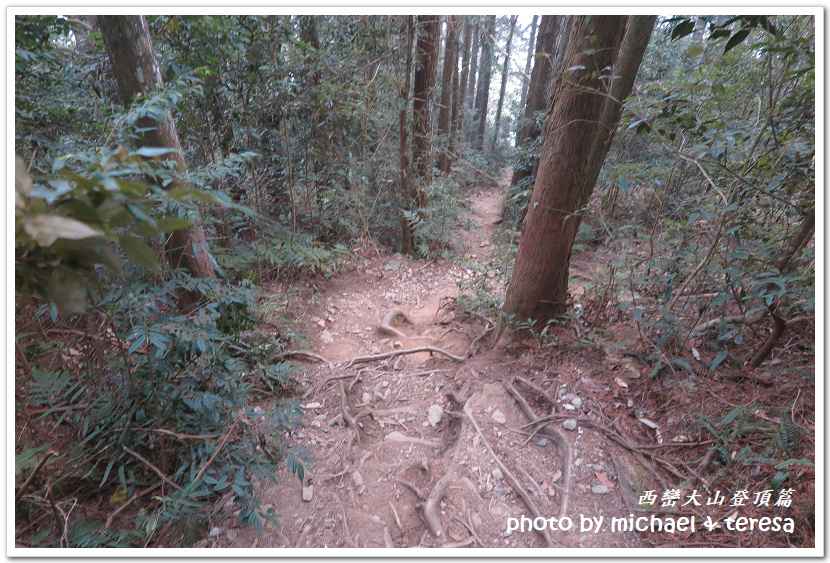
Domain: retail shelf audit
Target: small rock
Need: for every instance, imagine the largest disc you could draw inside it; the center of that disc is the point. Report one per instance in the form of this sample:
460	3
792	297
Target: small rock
316	424
322	323
308	493
499	417
568	407
397	344
326	337
336	420
543	442
569	425
357	478
366	398
497	474
214	532
313	406
435	414
231	535
599	489
577	402
384	384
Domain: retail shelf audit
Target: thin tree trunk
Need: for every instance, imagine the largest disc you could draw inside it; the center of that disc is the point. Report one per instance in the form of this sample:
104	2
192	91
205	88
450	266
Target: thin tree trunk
485	73
531	50
448	74
475	32
504	74
539	287
406	196
783	264
136	71
461	103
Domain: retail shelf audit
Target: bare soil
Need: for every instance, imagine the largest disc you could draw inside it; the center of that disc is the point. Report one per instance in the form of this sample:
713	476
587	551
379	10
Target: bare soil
370	491
443	454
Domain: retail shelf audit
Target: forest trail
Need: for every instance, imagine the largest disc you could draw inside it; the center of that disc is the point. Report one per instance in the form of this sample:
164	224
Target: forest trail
419	467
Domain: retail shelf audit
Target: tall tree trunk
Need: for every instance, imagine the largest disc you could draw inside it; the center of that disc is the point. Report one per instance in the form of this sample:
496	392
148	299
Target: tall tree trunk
133	59
485	72
539	287
426	74
448	74
465	75
531	50
550	29
504	74
475	33
406	195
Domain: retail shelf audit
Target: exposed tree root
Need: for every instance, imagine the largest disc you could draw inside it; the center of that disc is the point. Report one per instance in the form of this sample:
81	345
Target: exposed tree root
386	327
363	359
430	507
562	446
517	486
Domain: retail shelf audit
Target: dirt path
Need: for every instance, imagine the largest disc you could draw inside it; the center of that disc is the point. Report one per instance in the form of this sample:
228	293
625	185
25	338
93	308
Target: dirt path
417	456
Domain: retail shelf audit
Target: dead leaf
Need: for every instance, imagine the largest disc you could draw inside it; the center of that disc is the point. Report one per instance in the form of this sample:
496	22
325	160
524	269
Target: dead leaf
621	383
604	480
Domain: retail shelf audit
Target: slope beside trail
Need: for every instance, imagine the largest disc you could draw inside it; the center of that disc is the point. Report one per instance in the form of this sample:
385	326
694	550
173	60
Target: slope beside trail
441	446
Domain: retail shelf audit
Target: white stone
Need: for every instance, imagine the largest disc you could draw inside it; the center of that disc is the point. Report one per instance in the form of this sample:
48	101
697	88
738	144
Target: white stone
435	414
499	417
569	425
308	493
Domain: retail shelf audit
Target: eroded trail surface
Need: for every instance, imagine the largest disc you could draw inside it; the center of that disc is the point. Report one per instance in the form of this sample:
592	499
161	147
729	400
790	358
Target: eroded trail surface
442	452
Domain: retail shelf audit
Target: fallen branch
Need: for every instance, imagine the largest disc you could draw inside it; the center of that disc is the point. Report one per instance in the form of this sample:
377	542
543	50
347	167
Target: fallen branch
307	354
430	507
517	486
386	327
739	319
158	471
562	446
364	359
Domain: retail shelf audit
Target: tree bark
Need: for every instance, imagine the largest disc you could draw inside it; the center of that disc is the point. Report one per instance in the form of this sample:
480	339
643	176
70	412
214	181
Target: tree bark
504	74
406	196
539	287
531	50
485	73
550	29
448	75
426	74
133	59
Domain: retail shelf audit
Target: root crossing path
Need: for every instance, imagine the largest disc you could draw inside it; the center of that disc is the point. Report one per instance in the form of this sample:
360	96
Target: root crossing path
426	434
